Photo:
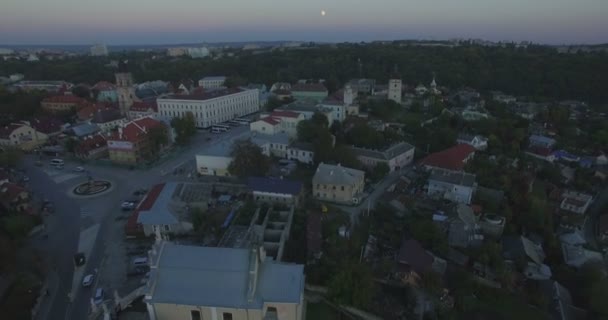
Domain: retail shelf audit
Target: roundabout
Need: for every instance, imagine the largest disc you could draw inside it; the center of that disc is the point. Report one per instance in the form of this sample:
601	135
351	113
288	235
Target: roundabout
91	188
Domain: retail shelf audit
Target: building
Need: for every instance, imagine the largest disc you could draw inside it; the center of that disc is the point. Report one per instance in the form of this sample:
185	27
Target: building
560	305
91	147
195	283
338	109
131	143
62	104
266	125
541	142
302	152
396	156
363	86
413	261
196	53
541	153
492	225
125	88
575	202
516	248
48	86
453	158
22	136
394	90
464	230
106	92
215	159
211	107
576	255
212	82
273	190
308	108
99	50
49	126
140	109
339	184
108	119
309	91
476	141
162	211
451	185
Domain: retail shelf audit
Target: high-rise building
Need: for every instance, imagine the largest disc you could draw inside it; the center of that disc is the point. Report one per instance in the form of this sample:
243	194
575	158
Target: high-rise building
99	50
124	88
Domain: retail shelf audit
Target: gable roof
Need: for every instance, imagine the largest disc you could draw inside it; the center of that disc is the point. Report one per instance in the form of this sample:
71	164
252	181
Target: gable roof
270	121
274	185
541	140
387	154
518	246
92	142
452	158
336	174
104	86
64	99
453	177
84	129
413	254
135	130
46	125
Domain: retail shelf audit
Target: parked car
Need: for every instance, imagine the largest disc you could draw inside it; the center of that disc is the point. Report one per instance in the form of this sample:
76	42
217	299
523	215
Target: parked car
87	281
99	296
25	179
128	205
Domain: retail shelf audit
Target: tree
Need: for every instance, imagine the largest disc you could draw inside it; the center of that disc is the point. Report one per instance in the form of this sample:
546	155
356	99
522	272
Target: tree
10	157
158	136
70	144
185	128
82	92
380	171
235	81
248	160
353	285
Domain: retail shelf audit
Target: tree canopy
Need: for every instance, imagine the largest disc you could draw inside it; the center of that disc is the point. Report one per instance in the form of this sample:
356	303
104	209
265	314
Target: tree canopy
185	128
248	160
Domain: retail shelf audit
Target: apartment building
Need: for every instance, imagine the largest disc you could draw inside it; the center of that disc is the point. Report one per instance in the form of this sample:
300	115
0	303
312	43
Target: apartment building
339	184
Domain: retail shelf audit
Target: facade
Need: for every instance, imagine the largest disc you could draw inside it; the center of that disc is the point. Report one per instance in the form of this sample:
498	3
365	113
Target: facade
451	185
21	136
301	152
575	202
267	125
108	119
191	282
212	82
338	109
92	147
364	86
339	184
308	108
288	122
131	143
309	91
396	156
106	92
125	89
273	190
140	109
62	104
99	50
394	90
476	141
211	107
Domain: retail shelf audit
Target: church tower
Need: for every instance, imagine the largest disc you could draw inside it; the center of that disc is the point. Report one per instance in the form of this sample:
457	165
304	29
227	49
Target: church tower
349	95
394	86
124	88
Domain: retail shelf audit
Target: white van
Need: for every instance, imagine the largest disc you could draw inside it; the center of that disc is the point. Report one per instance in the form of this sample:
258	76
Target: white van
57	162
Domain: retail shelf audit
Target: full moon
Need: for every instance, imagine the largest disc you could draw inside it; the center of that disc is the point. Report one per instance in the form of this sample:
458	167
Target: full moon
322	12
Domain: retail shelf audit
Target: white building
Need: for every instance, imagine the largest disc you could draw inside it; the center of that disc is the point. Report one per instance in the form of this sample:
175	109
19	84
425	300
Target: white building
302	152
476	141
211	107
452	185
575	202
396	156
99	50
212	82
394	90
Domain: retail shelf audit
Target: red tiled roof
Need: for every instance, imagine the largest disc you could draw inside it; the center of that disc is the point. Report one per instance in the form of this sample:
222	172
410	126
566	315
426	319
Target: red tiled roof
104	86
134	130
64	99
46	125
451	159
134	228
143	106
270	120
544	152
284	114
309	87
91	143
9	191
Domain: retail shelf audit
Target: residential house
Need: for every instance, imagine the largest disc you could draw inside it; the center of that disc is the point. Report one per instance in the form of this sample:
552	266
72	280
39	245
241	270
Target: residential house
302	152
22	136
309	91
213	82
82	130
93	146
108	119
396	157
541	141
520	248
140	109
541	153
239	284
275	190
338	184
363	86
49	126
452	185
575	202
413	262
476	141
602	227
131	142
576	255
464	230
13	198
338	109
62	104
106	92
162	211
560	302
474	114
453	158
503	98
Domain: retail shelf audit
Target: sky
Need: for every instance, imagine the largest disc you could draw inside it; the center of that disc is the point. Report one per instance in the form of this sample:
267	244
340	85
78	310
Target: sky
123	22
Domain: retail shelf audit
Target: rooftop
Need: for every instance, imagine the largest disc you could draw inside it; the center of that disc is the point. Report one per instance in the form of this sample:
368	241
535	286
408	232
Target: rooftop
413	254
207	95
336	174
214	78
219	277
308	87
143	106
84	129
453	177
64	99
274	185
386	154
302	146
224	148
284	114
6	131
135	129
452	158
156	210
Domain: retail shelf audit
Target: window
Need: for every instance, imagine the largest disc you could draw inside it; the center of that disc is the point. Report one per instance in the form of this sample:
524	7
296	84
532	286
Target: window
167	228
342	188
195	315
227	316
271	310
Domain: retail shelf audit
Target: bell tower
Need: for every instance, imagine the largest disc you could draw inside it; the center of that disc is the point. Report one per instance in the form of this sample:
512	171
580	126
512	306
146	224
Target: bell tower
124	88
395	87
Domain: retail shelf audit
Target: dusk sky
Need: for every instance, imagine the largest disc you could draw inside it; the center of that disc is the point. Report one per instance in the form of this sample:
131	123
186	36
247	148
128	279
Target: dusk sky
179	21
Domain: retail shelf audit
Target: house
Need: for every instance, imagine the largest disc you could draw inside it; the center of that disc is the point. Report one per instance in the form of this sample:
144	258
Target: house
363	86
162	211
213	82
413	262
106	92
560	302
339	184
13	198
453	158
476	141
309	91
108	119
516	248
278	121
46	125
131	143
576	255
140	109
602	227
193	282
492	225
338	109
575	202
541	141
275	190
266	125
314	235
22	136
93	146
302	152
464	230
82	130
397	156
541	153
282	94
62	104
451	185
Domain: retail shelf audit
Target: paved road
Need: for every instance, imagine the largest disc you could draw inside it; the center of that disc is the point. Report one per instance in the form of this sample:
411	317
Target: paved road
73	215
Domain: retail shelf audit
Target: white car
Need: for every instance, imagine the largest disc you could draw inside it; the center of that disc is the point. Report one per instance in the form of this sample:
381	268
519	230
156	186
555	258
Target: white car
79	169
128	205
87	281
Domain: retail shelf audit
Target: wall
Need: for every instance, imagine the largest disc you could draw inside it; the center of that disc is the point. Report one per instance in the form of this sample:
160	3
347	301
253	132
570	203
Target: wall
262	127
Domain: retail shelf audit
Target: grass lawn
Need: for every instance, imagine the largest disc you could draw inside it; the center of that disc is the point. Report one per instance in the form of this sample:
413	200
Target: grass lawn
320	311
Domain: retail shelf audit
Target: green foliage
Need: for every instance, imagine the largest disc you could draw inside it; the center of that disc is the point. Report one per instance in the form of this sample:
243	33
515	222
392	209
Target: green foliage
235	81
185	128
159	137
248	160
273	103
200	220
353	285
20	105
429	235
380	171
10	157
17	226
70	144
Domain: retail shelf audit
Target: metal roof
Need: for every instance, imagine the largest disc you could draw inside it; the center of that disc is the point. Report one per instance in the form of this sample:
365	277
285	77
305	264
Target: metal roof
453	177
274	185
386	154
336	174
159	213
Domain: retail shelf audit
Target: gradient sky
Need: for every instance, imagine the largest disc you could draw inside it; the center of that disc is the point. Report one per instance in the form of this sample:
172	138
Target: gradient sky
179	21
